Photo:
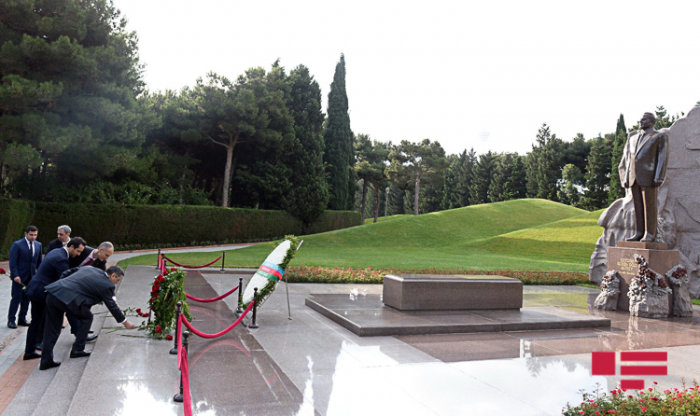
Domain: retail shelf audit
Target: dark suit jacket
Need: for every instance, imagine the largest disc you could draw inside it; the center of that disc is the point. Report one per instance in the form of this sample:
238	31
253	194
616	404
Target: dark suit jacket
54	264
53	245
86	287
75	261
22	263
648	164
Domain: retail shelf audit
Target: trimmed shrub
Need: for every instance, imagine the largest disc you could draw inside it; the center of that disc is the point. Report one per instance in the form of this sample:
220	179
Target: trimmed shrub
15	216
150	226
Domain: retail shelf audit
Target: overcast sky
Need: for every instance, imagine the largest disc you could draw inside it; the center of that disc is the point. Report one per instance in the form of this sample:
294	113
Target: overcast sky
482	74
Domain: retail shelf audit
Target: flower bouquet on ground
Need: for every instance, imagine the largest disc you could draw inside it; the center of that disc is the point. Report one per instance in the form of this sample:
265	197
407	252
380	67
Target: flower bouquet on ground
166	291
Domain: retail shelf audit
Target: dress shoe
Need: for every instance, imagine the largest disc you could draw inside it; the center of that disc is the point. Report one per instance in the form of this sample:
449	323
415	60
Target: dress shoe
31	356
23	323
648	238
52	364
39	346
78	354
636	237
91	332
11	325
91	338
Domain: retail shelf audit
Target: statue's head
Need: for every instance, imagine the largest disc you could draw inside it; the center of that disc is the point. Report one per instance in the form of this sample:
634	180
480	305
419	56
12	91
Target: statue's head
648	120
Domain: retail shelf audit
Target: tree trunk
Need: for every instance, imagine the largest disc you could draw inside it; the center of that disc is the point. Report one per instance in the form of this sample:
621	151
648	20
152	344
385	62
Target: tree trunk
376	208
364	198
415	200
227	170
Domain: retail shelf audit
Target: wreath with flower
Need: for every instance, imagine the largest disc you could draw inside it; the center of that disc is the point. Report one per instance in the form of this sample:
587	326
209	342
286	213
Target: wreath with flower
167	290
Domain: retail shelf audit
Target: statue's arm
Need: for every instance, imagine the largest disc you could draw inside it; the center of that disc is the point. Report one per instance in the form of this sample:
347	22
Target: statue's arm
662	159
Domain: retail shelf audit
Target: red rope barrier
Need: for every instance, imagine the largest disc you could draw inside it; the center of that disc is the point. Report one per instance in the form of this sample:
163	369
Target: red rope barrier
184	367
218	334
212	299
191	267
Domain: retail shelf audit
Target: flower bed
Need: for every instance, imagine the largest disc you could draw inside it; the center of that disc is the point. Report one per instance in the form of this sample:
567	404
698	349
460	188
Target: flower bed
675	402
310	274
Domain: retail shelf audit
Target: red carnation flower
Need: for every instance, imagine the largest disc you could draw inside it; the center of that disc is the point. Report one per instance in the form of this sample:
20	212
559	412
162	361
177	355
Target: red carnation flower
138	310
160	276
161	279
2	271
158	329
169	337
173	269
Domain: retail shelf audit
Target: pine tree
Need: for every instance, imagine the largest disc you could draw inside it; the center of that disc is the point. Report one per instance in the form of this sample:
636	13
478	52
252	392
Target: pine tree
338	140
515	186
482	173
69	79
309	194
615	189
597	174
502	172
572	178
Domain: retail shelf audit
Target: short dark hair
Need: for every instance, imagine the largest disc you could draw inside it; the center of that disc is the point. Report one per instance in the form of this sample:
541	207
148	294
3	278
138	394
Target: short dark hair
30	228
115	270
75	242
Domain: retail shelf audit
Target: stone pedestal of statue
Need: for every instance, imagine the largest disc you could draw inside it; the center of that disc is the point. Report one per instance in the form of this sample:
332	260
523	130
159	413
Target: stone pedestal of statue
621	258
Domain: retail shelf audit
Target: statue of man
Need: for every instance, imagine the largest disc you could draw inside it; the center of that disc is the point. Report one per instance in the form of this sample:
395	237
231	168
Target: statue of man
642	170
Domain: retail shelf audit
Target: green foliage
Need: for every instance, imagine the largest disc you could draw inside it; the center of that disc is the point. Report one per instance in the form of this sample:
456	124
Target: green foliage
338	140
572	178
308	196
166	291
598	174
482	173
415	163
651	401
69	81
142	226
371	163
15	216
615	188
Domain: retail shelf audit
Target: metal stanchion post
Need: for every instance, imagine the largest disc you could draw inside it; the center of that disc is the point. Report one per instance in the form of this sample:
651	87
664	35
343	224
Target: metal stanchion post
179	398
255	309
173	351
158	260
223	260
240	295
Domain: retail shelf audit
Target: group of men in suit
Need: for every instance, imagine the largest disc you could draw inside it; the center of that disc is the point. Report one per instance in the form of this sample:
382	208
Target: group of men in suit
69	280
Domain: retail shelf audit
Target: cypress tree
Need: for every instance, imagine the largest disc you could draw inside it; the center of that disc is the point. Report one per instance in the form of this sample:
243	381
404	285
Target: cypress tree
616	191
482	173
338	140
309	193
515	186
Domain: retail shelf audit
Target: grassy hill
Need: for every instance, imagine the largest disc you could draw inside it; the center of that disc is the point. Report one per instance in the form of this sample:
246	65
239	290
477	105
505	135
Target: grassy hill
526	234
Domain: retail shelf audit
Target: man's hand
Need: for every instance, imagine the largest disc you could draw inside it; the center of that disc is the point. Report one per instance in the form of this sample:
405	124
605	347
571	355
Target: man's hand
17	280
128	325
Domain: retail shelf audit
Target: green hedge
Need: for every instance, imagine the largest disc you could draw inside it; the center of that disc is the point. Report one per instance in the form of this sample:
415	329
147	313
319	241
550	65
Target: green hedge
151	226
15	216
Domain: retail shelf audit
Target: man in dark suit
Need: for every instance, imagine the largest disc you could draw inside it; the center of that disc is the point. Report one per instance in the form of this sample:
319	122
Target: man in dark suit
54	264
25	258
642	170
63	239
94	257
76	294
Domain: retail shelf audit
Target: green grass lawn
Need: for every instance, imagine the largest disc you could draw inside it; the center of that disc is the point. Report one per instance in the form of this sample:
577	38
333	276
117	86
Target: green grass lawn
526	234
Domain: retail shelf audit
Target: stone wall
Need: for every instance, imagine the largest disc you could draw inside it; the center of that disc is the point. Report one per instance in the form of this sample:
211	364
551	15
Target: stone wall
678	203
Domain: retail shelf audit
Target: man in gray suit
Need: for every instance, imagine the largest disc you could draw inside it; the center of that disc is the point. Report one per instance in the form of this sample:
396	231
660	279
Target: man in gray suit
77	293
642	170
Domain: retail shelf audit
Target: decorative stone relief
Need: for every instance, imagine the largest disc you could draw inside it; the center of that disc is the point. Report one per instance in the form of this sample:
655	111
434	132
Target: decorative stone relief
609	292
648	292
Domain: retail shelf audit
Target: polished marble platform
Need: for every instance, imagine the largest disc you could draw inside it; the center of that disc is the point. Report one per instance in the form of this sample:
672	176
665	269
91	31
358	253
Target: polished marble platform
368	316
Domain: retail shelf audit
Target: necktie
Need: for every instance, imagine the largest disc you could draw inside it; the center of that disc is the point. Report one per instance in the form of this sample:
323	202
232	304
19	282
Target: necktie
89	261
31	249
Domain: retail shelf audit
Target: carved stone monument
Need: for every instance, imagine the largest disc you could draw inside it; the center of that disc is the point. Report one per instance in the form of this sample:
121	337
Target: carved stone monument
678	279
648	293
678	207
609	292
